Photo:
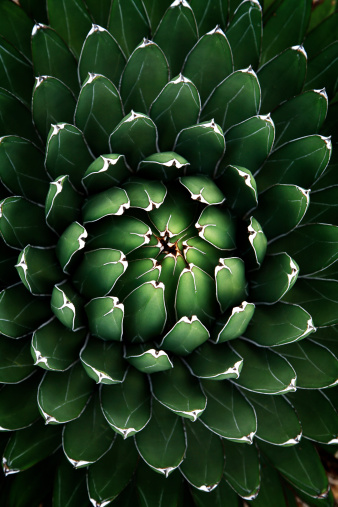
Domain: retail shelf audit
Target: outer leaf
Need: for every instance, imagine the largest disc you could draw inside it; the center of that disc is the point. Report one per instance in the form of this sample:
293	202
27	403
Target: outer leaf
210	14
67	306
105	172
214	363
63	204
242	469
158	490
185	336
15	117
239	188
16	363
16	26
70	486
233	323
105	315
23	412
103	361
322	70
71	242
323	206
230	282
39	270
146	359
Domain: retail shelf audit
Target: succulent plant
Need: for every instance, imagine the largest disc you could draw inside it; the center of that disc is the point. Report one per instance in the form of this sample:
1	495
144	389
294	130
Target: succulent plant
169	302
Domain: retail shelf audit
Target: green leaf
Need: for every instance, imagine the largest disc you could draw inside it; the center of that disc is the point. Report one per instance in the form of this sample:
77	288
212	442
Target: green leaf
177	390
282	77
244	34
39	269
135	137
52	102
264	371
242	469
55	347
98	111
63	204
147	360
15	117
71	242
278	324
27	447
322	70
16	27
154	489
209	62
164	166
176	34
67	306
105	316
20	312
176	107
233	323
67	153
111	474
105	172
99	10
222	495
204	460
228	413
16	74
214	363
289	22
201	253
240	92
139	271
256	244
16	362
162	442
113	201
249	143
300	465
323	206
71	20
70	486
316	365
326	336
203	145
52	57
202	189
101	54
14	154
239	188
89	437
280	209
62	397
103	361
126	406
22	222
230	282
18	407
98	272
321	12
147	195
300	116
216	226
185	336
210	14
277	421
128	23
299	162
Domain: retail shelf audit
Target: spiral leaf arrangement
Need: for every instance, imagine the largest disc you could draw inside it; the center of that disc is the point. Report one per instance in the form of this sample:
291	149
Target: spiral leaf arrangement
169	308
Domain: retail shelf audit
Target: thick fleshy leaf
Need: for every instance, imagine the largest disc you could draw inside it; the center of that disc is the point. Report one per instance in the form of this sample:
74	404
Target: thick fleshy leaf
139	271
212	362
67	153
264	371
113	201
154	489
16	26
278	324
52	102
62	396
135	137
67	306
147	360
204	460
103	361
230	282
239	188
176	34
71	242
244	34
318	415
290	22
39	269
300	116
16	363
202	189
126	406
27	447
22	222
186	335
101	54
228	413
63	204
318	297
71	20
324	33
52	57
217	227
209	62
210	14
322	70
300	465
55	347
147	195
15	117
98	111
242	469
323	206
162	443
255	245
105	172
280	209
222	495
249	143
18	407
20	312
271	490
201	253
203	145
316	366
128	23
282	77
164	166
105	316
70	486
233	323
240	92
87	438
277	421
111	474
177	390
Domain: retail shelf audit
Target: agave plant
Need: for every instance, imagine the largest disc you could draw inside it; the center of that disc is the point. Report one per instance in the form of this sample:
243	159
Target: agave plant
169	308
